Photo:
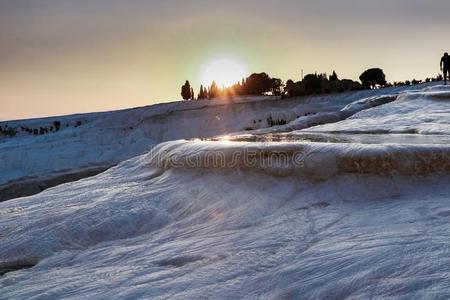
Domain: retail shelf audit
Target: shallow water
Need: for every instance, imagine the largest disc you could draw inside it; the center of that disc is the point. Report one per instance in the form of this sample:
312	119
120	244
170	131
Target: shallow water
361	138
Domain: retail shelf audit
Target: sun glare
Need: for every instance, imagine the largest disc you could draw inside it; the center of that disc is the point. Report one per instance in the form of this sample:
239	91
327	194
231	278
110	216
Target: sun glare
224	71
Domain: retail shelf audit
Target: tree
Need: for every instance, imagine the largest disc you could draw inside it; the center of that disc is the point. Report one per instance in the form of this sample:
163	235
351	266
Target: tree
373	77
186	91
203	93
334	77
213	90
192	94
290	88
259	84
312	84
276	86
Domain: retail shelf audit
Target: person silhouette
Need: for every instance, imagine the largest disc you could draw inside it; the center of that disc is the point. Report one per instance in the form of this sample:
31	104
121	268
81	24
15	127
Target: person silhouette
445	66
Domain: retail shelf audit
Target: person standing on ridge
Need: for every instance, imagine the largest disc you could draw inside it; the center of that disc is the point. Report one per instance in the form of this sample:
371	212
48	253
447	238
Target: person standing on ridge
445	66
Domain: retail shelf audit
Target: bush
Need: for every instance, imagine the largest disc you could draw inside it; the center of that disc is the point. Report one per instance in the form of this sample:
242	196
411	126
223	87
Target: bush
373	77
57	125
271	122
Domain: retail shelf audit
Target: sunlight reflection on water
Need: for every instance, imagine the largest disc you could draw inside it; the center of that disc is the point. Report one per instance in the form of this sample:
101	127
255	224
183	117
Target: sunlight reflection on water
314	137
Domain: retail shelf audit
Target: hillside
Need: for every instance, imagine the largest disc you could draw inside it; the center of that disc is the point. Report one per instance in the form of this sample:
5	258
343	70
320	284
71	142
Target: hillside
91	143
349	199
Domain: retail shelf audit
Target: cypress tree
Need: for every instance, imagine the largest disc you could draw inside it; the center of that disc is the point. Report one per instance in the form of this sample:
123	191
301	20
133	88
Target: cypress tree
213	90
186	91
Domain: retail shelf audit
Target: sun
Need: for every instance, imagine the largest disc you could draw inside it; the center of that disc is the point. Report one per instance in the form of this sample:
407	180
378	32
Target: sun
224	71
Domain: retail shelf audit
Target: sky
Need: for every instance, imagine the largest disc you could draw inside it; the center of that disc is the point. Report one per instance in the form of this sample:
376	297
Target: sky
63	56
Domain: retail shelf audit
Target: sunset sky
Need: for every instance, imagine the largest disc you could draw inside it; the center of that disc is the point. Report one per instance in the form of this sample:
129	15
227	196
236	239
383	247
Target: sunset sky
66	56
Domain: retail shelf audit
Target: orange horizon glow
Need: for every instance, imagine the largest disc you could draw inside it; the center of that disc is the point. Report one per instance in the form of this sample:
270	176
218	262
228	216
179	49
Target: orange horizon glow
62	56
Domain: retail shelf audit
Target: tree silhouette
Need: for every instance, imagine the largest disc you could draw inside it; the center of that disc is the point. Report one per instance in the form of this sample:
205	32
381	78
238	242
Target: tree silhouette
312	84
186	91
334	77
373	77
276	87
261	83
203	93
213	90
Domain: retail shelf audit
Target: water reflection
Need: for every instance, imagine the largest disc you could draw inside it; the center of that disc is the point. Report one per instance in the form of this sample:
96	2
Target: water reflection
361	138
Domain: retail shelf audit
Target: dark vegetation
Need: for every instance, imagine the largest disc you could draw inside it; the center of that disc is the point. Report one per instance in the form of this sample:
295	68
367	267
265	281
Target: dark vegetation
414	81
315	84
271	122
255	84
6	130
258	84
373	78
187	92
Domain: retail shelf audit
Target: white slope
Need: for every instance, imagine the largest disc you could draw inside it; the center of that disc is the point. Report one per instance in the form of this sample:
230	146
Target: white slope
107	138
137	231
425	112
225	220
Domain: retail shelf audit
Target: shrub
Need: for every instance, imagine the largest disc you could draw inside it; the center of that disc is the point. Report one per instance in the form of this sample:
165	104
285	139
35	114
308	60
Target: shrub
373	77
57	125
